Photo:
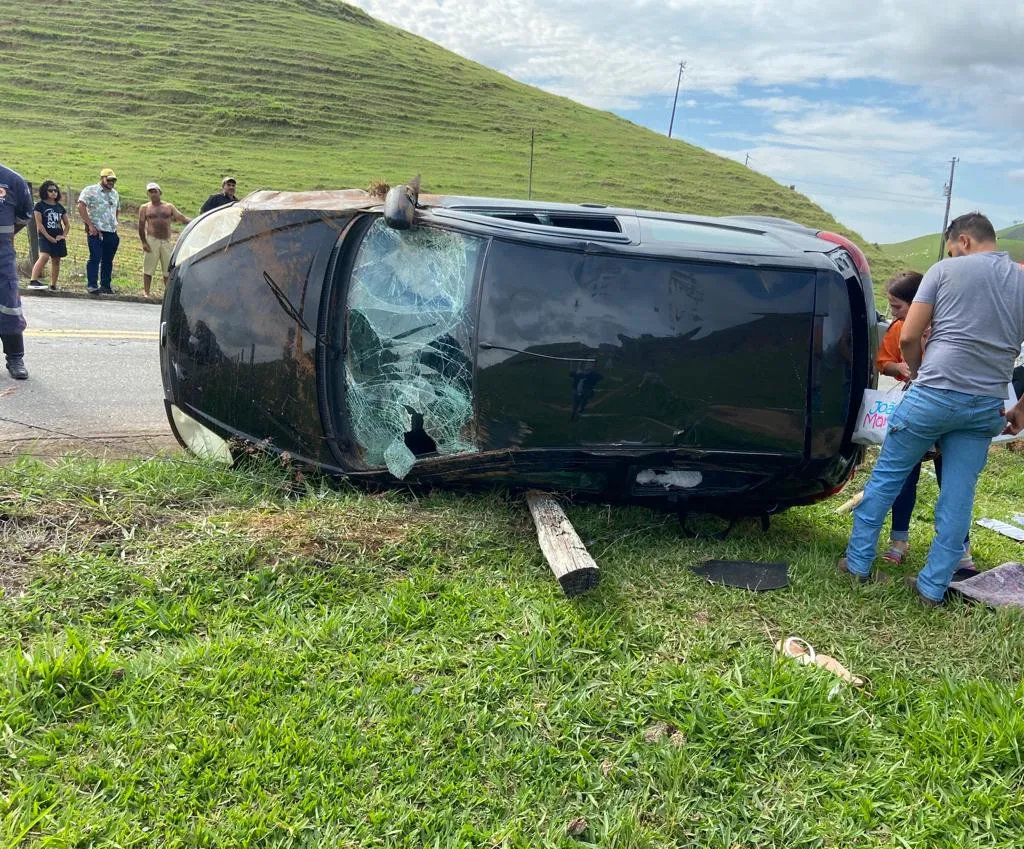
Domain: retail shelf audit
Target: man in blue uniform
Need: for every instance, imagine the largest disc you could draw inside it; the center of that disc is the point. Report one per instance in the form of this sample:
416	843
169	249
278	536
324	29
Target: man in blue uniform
15	211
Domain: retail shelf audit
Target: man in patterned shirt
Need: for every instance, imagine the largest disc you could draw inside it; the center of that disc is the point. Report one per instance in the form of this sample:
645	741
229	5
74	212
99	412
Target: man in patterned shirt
98	205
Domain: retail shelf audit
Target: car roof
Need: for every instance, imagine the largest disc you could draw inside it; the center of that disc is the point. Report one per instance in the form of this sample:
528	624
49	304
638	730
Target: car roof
785	237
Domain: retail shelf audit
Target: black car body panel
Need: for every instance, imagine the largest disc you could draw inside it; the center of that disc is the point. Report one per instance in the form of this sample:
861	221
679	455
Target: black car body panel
633	356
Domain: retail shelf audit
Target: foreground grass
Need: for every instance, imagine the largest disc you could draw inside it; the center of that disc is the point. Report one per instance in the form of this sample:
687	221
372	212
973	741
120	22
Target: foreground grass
191	657
303	94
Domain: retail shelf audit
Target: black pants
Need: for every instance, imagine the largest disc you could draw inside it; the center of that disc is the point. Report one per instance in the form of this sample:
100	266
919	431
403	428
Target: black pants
14	344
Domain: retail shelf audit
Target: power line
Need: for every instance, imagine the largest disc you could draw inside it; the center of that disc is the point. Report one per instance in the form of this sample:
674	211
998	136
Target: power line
858	189
850	196
855	191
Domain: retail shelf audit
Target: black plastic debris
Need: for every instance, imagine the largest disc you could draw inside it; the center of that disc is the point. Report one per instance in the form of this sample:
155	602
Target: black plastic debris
745	574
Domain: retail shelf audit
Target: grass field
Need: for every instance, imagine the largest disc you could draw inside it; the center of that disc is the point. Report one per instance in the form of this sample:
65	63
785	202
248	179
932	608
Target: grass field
921	253
194	658
314	93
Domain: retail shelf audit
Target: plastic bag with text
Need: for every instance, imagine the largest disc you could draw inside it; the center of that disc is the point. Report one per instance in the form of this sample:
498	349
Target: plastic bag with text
876	409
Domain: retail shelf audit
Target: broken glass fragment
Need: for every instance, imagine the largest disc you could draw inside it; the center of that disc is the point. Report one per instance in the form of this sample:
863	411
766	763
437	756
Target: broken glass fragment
408	370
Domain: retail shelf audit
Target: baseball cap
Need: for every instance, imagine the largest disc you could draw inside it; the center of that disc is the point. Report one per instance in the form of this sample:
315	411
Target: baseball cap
151	186
108	172
228	180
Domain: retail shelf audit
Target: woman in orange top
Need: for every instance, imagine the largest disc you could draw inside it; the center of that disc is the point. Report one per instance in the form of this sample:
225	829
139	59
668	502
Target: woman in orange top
901	291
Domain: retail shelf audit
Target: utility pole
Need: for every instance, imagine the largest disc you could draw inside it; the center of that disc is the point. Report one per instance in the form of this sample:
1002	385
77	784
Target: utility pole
675	100
529	188
949	198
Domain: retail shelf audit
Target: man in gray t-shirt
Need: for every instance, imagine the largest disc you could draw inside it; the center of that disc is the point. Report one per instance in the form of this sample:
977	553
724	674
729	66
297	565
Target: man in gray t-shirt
976	314
973	304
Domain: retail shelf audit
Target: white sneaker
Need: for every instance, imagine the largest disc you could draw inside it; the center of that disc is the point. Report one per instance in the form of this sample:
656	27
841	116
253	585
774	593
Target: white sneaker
36	284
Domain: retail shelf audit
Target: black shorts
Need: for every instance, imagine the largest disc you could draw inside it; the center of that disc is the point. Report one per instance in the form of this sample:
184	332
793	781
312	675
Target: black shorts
54	249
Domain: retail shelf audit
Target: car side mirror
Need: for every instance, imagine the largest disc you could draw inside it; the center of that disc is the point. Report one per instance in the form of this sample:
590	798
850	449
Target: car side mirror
400	205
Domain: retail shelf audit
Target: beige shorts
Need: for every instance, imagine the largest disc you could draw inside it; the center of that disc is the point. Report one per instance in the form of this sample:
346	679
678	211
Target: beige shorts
159	253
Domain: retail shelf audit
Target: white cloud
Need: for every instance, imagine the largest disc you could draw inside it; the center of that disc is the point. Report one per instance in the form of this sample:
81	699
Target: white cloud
1017	175
777	104
866	165
956	72
604	51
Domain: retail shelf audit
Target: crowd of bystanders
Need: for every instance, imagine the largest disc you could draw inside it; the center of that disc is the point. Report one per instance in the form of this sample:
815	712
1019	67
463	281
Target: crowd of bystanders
99	208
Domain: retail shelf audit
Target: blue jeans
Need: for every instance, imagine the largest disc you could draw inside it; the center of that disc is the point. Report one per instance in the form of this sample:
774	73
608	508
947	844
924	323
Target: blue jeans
963	426
101	259
903	506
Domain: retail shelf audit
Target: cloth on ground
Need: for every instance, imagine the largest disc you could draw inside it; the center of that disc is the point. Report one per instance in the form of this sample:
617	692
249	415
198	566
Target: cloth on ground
1002	586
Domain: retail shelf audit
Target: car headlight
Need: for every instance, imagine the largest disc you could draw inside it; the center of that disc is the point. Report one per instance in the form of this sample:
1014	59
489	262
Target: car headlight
200	440
216	225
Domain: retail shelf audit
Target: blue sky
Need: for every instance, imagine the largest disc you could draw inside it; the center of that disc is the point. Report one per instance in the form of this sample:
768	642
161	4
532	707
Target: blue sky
860	105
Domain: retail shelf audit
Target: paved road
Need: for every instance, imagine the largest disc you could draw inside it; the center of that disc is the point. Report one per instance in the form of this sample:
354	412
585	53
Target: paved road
94	379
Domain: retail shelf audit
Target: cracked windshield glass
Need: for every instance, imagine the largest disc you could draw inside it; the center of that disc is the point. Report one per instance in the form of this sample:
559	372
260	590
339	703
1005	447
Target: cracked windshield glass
408	371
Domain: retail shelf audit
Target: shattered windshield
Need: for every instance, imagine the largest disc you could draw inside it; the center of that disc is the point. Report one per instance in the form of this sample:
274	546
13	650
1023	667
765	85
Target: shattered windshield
409	367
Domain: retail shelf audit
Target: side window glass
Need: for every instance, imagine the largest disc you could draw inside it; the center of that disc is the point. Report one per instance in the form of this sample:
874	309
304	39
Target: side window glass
409	365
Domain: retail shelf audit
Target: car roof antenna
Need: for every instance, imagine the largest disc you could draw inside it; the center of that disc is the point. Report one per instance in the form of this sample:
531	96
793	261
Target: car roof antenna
400	204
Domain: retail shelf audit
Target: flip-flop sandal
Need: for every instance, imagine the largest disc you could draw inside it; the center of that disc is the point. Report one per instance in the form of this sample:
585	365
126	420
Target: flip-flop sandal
895	555
803	653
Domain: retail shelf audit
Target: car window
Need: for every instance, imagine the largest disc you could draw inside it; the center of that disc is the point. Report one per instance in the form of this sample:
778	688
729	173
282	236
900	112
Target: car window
704	236
409	367
546	218
583	349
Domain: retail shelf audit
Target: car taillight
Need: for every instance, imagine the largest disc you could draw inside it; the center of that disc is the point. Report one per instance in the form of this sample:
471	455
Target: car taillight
859	260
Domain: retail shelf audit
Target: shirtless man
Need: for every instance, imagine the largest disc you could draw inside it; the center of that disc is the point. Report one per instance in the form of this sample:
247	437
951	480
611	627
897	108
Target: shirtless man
155	232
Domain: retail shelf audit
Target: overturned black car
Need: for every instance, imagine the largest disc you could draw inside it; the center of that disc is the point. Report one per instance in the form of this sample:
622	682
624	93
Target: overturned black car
702	363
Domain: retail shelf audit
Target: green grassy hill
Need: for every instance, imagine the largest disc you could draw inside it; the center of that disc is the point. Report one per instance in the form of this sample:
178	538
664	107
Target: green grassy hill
314	93
922	252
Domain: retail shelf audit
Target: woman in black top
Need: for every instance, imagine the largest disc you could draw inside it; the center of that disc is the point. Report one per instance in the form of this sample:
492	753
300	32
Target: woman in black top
52	226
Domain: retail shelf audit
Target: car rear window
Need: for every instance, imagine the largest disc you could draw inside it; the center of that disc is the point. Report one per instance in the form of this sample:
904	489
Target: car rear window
711	237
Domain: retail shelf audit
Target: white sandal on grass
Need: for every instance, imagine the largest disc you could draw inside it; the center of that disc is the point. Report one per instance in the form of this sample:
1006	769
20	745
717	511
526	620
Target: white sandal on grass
803	653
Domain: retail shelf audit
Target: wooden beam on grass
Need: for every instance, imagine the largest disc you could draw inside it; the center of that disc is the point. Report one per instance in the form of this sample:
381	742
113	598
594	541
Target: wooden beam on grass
561	545
849	506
